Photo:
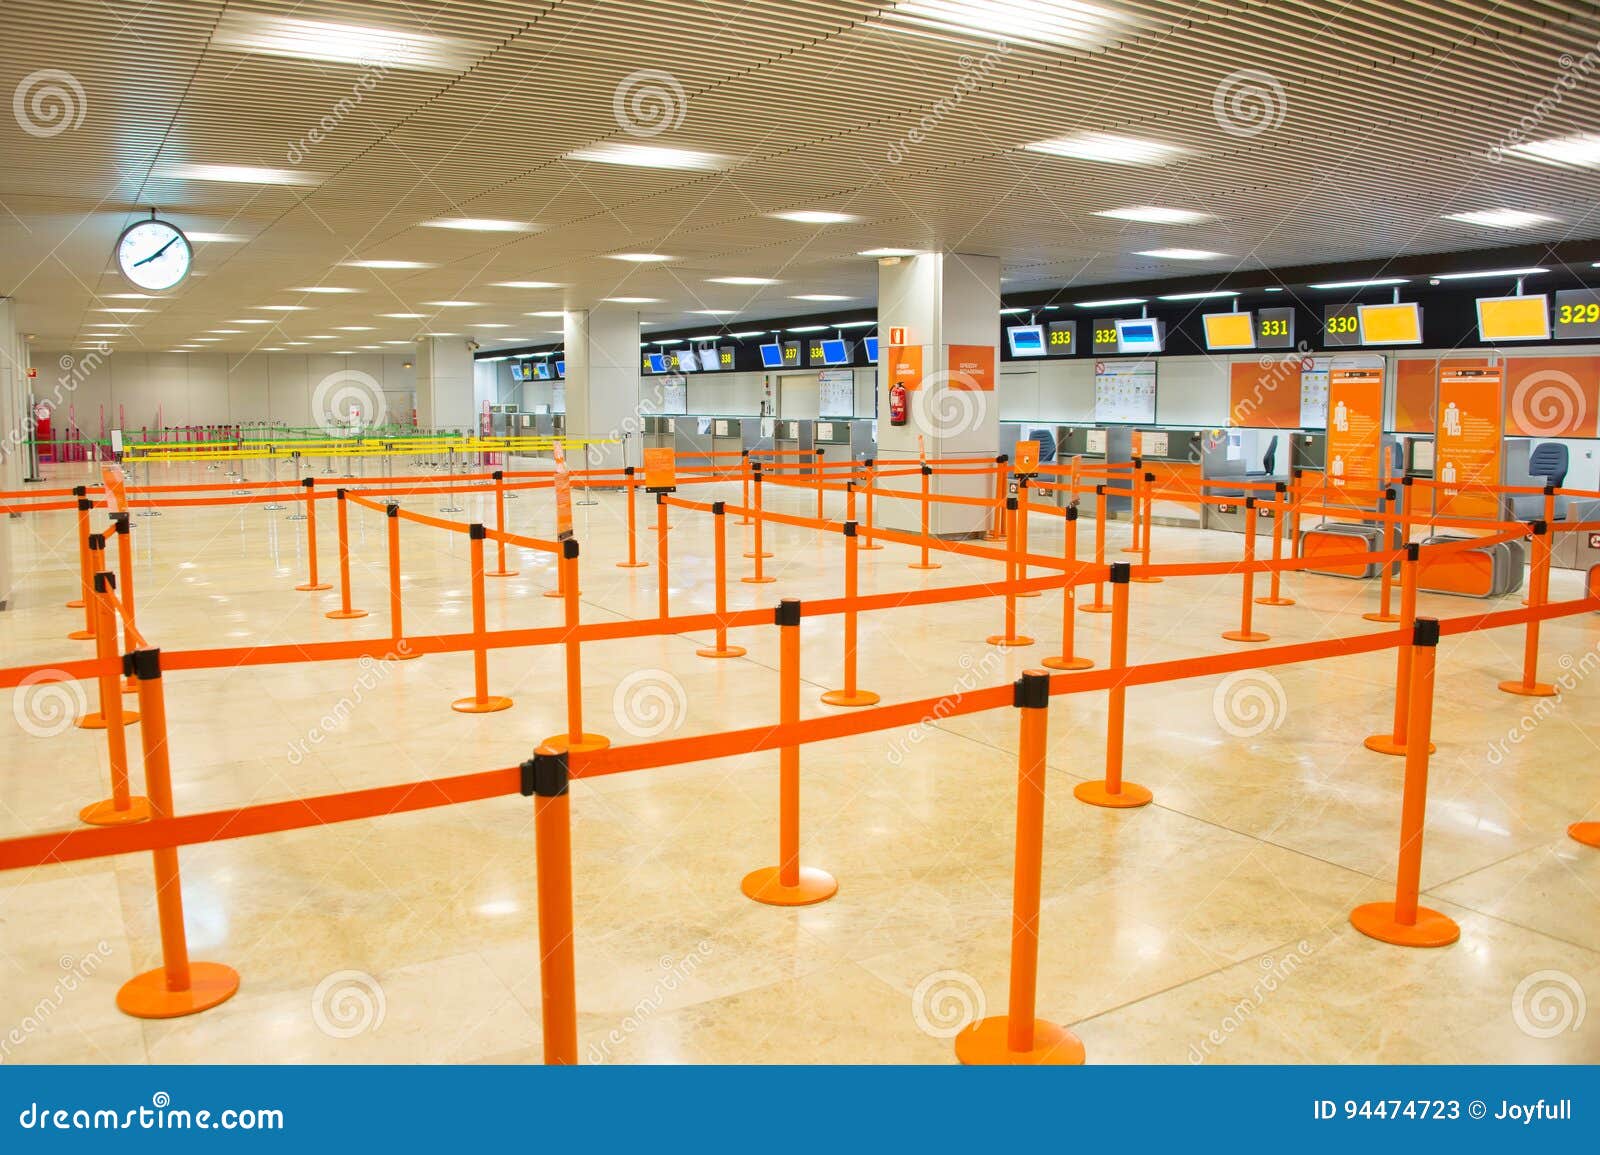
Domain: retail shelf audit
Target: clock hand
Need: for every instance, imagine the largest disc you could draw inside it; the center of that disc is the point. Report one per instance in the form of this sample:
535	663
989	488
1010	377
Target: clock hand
157	253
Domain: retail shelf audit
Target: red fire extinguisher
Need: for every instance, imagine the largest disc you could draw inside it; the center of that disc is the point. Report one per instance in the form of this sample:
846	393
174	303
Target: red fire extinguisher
897	404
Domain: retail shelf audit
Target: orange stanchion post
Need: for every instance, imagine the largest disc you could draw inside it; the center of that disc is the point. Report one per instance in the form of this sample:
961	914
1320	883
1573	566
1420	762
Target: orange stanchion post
997	518
720	550
662	588
1280	514
632	485
789	883
178	986
817	475
575	740
1135	506
1022	535
122	807
344	612
311	584
1099	605
746	468
1395	741
756	552
872	484
481	701
927	502
124	530
397	630
1403	922
1113	791
1066	660
1016	1037
1385	611
500	570
85	570
1245	633
1149	505
1296	495
545	779
1010	638
851	695
1529	686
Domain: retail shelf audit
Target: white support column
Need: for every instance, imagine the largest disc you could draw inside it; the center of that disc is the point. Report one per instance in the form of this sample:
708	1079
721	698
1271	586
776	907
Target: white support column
947	305
445	398
602	353
17	426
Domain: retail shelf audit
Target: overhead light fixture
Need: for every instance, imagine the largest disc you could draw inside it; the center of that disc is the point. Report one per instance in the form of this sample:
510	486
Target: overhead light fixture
226	332
207	340
297	343
488	325
284	308
889	252
1479	273
1179	254
369	348
322	289
1500	218
382	264
818	297
527	285
251	321
716	312
1155	215
273	349
109	325
746	335
320	336
547	313
397	342
454	304
809	328
814	217
239	174
652	156
216	238
1204	296
633	300
354	328
128	297
854	324
741	281
1010	309
479	225
124	309
1110	302
1371	283
638	258
1106	147
1580	149
404	316
370	47
1068	23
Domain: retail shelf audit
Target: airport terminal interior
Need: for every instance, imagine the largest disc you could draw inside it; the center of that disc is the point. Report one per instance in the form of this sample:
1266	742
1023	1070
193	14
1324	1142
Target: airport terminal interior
800	532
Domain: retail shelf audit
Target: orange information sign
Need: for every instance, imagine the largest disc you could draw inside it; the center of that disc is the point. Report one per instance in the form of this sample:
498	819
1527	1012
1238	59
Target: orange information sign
1355	430
563	493
1467	446
660	469
971	368
905	366
1027	457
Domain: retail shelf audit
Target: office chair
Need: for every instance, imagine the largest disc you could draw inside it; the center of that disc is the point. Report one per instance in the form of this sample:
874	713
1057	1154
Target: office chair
1269	460
1549	460
1047	444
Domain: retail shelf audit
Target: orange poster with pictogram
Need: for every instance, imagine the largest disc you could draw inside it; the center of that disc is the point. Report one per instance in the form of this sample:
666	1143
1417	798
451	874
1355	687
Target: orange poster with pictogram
1355	432
1467	445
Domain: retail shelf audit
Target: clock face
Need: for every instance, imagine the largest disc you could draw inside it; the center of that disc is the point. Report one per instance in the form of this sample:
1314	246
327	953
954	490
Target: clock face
153	255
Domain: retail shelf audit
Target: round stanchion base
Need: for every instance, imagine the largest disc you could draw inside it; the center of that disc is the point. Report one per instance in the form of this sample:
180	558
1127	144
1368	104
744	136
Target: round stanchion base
1242	636
1005	643
1027	594
501	573
869	545
1095	608
1147	581
1132	549
106	813
752	556
841	698
313	587
147	996
78	605
1389	619
489	705
814	886
82	635
344	615
758	581
586	743
1096	794
1061	663
1376	920
1385	744
1587	833
633	565
1522	690
1290	602
403	654
729	652
986	1043
97	720
130	685
927	565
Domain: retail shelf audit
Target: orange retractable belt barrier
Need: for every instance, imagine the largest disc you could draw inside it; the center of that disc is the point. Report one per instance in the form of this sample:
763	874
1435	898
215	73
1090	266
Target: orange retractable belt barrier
756	552
1099	605
870	484
481	701
1280	515
927	475
122	806
576	740
1066	659
500	570
1113	791
1009	636
662	586
719	523
1395	741
1386	589
344	612
632	485
552	832
1248	576
850	695
1529	686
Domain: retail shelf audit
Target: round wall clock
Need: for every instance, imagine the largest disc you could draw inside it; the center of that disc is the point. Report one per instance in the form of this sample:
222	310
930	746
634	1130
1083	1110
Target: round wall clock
154	254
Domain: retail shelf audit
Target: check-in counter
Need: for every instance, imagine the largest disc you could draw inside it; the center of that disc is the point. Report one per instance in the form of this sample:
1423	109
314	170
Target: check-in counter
727	437
1243	455
832	436
692	439
790	435
1172	455
1088	444
658	433
756	433
864	438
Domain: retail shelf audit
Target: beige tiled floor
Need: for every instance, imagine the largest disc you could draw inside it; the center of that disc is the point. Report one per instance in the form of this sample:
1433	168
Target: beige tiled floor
1210	926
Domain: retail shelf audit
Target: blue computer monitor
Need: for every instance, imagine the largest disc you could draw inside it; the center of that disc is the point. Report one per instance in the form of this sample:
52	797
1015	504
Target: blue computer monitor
516	371
1142	335
772	356
658	362
687	361
561	368
834	353
1026	340
544	370
872	350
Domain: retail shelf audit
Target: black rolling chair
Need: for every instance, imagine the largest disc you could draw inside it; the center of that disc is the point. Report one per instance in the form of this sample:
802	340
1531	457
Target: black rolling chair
1269	460
1047	444
1548	461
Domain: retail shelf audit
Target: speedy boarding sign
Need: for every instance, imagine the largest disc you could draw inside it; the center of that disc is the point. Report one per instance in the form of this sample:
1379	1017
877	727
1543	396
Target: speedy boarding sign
660	470
563	494
1027	457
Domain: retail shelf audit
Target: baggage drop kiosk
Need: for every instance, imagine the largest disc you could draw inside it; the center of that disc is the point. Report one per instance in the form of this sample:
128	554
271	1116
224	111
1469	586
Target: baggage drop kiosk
1470	453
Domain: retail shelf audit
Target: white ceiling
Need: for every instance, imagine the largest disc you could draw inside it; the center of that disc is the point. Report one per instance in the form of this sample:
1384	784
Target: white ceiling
1379	119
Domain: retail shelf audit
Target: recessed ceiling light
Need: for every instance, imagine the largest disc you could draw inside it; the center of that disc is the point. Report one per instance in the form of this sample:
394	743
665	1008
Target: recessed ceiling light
369	346
527	285
814	217
297	342
716	312
129	297
633	300
438	334
207	340
1179	254
239	174
322	289
1528	272
1155	215
1580	149
454	304
382	264
404	316
741	281
397	342
809	328
855	324
560	313
215	238
354	328
1205	296
1073	24
652	156
479	225
109	325
488	325
124	309
226	332
818	297
1110	302
1107	147
273	349
251	321
320	336
1013	309
638	258
888	252
1373	282
1500	218
369	47
284	308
